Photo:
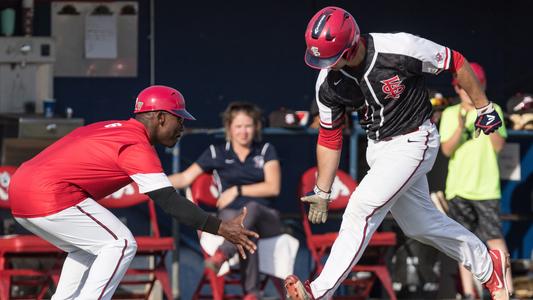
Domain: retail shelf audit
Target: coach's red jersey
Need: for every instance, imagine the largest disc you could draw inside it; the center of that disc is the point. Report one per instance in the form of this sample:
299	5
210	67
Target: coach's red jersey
92	161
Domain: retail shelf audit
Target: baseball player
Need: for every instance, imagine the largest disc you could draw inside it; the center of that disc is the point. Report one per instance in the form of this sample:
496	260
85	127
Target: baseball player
382	76
54	194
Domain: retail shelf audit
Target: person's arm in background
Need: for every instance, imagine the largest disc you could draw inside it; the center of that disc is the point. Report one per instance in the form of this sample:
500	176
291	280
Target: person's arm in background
450	145
184	179
498	138
206	162
270	187
497	141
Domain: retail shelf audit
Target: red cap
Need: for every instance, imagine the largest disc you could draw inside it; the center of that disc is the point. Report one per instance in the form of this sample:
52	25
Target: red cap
478	70
160	97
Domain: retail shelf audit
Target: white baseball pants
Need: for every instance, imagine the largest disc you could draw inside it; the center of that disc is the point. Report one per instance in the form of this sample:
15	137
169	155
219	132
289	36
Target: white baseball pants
397	182
100	249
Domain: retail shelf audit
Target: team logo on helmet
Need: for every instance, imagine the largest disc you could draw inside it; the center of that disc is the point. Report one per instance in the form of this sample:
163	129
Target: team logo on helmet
393	87
138	104
315	51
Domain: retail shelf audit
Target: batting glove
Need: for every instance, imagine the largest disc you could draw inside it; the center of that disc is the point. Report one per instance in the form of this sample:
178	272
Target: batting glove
318	205
487	120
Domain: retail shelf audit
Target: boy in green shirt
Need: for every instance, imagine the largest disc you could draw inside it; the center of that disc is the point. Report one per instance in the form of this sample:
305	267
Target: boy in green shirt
473	182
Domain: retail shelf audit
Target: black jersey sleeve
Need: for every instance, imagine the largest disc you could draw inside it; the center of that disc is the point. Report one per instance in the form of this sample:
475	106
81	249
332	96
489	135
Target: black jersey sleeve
184	210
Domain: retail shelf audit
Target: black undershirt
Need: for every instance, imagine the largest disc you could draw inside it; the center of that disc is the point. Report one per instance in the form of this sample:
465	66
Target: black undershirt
184	210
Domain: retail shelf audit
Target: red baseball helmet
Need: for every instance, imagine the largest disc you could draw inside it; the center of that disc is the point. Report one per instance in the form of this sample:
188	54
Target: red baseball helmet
329	35
160	97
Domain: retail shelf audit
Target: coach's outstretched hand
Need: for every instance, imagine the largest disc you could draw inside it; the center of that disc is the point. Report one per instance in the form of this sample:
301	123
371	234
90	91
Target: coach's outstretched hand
234	231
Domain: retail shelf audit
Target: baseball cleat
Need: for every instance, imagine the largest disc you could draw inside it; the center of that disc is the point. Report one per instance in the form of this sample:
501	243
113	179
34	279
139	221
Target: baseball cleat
296	290
497	283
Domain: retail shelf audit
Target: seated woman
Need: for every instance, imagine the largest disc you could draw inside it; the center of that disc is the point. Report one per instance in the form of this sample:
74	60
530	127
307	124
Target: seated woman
248	174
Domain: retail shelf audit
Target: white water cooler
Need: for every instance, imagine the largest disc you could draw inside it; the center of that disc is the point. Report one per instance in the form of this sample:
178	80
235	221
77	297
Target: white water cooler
26	73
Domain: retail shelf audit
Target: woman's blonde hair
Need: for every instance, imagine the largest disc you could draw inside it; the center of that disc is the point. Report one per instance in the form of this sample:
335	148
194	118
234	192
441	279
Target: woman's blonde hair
249	109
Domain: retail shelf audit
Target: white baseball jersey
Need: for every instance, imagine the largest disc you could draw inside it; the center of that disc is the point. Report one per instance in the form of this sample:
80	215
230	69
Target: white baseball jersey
389	87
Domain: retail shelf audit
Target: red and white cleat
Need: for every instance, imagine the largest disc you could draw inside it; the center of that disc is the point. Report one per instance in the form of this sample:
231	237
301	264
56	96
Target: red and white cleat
296	290
497	283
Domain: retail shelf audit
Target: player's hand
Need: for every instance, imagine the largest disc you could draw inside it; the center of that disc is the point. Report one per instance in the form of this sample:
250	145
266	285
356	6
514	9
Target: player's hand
487	120
318	206
234	231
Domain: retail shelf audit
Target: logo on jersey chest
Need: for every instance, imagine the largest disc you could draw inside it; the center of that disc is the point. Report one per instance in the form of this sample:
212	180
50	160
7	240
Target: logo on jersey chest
392	87
259	161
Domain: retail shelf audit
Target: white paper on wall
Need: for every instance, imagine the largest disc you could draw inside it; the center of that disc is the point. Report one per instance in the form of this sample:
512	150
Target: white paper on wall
100	36
69	27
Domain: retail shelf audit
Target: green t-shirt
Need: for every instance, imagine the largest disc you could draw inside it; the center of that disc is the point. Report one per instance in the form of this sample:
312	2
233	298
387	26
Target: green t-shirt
473	168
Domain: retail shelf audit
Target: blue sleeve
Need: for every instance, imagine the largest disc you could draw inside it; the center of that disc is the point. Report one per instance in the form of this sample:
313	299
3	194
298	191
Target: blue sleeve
270	152
208	160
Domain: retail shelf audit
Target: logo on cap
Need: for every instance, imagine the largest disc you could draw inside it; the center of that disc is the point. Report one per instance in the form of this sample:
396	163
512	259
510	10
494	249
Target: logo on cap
138	104
315	51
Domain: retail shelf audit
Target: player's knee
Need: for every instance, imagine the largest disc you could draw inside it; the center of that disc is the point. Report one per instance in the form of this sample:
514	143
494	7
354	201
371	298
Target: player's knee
132	246
128	250
127	246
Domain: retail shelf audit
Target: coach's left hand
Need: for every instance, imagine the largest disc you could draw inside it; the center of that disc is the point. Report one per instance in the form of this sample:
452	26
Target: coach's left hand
233	230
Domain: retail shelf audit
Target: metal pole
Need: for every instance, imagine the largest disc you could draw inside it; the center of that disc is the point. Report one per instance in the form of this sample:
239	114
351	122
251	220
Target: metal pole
151	37
176	230
354	145
152	42
175	163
